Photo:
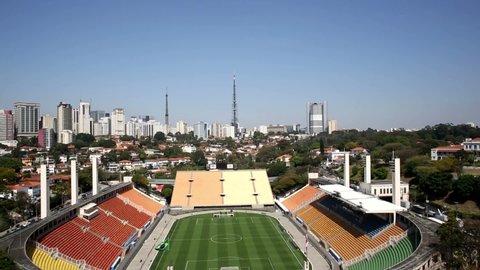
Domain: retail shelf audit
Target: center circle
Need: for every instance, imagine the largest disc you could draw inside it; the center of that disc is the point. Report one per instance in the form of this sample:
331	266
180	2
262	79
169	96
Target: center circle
226	238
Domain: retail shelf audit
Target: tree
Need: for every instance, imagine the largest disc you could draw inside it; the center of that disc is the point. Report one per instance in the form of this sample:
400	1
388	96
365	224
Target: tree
322	147
466	188
198	157
436	185
141	180
8	175
159	137
380	173
276	168
451	242
13	163
174	151
6	262
167	192
124	155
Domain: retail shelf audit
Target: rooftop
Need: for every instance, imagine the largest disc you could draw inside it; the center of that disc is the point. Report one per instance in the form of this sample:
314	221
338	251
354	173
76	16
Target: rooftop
364	202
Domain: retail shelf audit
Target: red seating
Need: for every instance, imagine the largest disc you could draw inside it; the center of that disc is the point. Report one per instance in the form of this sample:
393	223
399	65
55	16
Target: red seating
108	226
79	244
126	212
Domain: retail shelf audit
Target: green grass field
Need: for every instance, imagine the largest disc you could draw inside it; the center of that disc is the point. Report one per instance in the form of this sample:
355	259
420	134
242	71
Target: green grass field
246	241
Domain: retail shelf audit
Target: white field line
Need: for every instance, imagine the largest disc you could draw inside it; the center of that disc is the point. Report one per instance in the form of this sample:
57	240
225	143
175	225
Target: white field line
288	245
273	268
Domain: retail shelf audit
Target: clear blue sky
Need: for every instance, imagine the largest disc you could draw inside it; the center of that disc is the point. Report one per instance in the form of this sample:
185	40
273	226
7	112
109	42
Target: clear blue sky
378	64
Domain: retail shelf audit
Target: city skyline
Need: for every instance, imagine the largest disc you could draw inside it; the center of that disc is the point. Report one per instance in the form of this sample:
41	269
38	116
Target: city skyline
378	65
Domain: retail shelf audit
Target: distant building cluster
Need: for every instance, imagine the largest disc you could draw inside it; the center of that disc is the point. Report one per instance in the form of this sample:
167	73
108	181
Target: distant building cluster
471	146
24	121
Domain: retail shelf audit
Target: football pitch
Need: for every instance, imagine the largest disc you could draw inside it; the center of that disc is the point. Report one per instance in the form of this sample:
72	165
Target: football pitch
243	242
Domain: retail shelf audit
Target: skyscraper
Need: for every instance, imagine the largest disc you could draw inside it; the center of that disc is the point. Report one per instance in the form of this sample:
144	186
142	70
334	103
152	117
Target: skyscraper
84	118
64	119
27	117
7	129
118	122
75	114
48	121
316	117
200	130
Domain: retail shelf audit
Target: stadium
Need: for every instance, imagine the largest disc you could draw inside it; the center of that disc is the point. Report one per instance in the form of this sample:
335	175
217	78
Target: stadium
226	220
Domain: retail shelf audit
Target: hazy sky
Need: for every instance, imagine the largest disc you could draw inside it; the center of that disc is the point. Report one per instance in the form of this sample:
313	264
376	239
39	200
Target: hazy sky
378	64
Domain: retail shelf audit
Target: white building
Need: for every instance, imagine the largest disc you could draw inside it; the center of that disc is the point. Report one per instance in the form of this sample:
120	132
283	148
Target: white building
216	130
200	130
102	127
118	122
332	126
64	119
26	118
75	114
84	118
66	136
49	121
181	127
228	131
316	117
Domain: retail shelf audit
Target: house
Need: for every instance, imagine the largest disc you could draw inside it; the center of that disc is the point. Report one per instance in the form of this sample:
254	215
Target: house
442	152
284	158
358	151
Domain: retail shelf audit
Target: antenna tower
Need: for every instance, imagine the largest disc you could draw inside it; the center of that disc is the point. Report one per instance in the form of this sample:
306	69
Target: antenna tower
166	109
234	107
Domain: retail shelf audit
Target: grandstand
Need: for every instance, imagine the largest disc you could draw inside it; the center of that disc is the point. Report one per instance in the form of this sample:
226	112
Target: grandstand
359	230
299	198
243	188
95	241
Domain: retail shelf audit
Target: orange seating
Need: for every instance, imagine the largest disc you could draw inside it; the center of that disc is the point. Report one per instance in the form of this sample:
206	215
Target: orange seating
139	198
296	199
348	241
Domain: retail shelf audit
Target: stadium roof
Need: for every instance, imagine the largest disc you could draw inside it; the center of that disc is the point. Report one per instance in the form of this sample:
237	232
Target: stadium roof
364	202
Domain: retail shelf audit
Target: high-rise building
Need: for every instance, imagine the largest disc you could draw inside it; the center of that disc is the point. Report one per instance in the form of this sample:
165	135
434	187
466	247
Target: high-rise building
66	136
46	138
181	127
48	121
102	127
316	117
118	122
332	126
97	115
200	130
75	114
64	119
7	129
84	118
27	116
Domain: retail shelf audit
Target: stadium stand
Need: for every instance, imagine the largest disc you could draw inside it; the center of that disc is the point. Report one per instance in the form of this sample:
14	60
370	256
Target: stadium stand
388	257
44	261
343	237
137	198
225	188
81	244
98	241
110	227
125	212
369	223
299	197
